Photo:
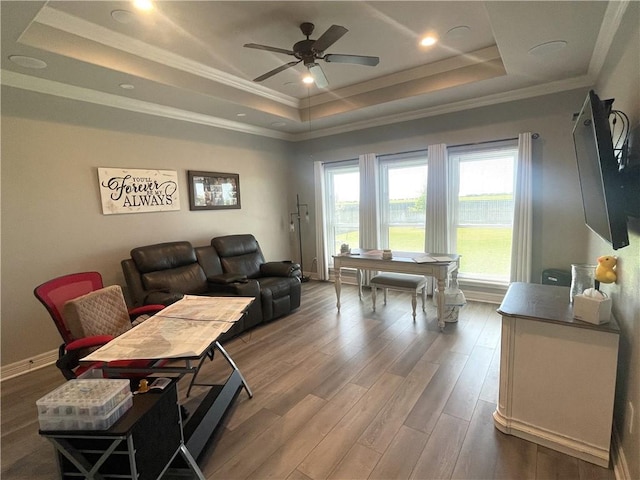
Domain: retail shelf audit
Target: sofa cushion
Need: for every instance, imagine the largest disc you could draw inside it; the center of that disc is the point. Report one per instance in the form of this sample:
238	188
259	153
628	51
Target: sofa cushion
163	256
187	279
239	254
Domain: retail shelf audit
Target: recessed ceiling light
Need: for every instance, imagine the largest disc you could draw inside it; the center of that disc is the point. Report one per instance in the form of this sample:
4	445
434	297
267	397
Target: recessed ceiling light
123	16
547	47
457	32
27	62
143	4
127	86
428	40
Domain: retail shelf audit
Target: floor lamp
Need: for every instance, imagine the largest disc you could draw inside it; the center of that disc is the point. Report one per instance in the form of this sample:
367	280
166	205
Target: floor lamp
292	228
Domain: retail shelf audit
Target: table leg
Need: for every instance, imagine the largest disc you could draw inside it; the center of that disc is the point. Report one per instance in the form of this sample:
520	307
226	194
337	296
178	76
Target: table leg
191	462
359	279
338	285
233	365
440	300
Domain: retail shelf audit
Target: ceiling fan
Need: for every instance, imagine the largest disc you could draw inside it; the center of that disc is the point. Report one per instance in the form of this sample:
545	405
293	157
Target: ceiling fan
309	51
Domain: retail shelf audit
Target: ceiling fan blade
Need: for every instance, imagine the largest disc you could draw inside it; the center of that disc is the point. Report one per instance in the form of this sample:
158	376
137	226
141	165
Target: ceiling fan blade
355	59
276	70
268	48
318	75
328	38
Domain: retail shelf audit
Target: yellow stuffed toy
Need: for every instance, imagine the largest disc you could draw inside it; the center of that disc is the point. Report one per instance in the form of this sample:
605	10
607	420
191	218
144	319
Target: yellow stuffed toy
605	271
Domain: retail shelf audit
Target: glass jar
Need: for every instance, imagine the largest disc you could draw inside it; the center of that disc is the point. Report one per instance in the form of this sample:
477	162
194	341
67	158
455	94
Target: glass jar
582	277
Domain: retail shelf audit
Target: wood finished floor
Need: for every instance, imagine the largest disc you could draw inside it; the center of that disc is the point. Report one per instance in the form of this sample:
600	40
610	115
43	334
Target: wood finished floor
349	395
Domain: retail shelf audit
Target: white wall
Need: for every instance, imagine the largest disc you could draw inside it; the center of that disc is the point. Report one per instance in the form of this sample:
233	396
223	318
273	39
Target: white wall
52	222
620	79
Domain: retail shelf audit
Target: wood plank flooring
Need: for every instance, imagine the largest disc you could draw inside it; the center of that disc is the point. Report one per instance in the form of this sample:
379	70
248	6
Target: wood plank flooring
350	395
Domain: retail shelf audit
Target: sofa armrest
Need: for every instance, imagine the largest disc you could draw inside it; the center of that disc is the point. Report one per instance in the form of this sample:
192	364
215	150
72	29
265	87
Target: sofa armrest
226	278
280	269
162	298
247	288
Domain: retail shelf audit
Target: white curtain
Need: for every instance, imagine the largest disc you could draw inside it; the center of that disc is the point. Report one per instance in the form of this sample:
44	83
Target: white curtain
522	216
369	218
437	237
321	241
438	203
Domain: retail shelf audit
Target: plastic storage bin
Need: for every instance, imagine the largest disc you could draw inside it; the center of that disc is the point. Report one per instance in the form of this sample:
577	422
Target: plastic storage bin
96	422
93	400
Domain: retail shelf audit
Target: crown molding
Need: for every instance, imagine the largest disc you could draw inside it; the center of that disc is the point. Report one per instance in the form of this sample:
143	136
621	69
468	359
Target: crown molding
40	85
610	23
487	100
76	26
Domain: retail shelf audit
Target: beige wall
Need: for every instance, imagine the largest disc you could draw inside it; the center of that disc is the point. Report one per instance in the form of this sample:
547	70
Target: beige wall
620	79
52	222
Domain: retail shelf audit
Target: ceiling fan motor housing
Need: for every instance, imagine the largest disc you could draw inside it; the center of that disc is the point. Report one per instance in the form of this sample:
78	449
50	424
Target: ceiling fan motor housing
304	49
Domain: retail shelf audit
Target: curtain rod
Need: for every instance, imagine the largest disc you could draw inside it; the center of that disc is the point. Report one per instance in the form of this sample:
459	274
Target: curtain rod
534	136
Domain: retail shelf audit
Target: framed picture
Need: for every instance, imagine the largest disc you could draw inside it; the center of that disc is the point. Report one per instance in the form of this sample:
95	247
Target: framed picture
138	191
213	190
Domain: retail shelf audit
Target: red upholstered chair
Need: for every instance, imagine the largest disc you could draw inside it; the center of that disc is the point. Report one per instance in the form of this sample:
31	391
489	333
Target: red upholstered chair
71	297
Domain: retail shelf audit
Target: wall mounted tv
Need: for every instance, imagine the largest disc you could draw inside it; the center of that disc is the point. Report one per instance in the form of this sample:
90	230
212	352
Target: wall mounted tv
601	181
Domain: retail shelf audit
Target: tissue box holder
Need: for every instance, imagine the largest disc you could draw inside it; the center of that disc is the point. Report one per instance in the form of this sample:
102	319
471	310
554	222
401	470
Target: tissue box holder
592	310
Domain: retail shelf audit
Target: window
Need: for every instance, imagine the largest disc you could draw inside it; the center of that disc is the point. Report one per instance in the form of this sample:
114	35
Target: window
342	206
403	197
482	183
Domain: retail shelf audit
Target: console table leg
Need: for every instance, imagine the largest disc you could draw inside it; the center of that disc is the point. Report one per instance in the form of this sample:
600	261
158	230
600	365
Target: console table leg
338	285
441	300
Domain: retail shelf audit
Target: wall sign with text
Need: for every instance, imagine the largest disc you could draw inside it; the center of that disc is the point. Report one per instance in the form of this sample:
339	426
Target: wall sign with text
138	191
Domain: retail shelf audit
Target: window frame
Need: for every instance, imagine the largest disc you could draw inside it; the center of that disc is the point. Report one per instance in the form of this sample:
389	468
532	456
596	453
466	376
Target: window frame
386	163
482	151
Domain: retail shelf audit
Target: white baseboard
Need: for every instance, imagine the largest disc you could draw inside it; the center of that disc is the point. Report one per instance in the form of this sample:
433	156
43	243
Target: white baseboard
28	365
619	460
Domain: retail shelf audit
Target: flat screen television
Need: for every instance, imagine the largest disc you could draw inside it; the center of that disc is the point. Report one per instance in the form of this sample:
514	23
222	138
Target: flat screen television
599	172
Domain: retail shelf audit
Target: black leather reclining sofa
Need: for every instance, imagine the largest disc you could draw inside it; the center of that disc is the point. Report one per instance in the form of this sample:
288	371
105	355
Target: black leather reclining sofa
231	265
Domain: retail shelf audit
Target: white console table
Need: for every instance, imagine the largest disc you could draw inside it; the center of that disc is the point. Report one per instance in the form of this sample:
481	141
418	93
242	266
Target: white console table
402	262
557	374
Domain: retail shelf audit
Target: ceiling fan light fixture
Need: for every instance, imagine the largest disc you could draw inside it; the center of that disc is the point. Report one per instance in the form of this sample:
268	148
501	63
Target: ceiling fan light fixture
307	78
309	51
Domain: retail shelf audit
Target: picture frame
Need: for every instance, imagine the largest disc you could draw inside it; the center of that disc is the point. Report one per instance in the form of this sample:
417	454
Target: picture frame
213	190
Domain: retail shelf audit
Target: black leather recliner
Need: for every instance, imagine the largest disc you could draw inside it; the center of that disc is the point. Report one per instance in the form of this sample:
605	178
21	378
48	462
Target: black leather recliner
280	287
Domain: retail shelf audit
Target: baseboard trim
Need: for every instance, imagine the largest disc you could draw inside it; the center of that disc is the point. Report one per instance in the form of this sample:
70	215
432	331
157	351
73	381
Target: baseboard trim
618	458
597	454
28	365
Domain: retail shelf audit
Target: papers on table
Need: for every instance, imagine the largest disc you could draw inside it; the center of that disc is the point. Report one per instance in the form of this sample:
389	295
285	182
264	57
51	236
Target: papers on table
182	330
214	309
432	259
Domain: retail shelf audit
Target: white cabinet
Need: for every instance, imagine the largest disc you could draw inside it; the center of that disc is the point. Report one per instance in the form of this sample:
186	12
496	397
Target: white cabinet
557	374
